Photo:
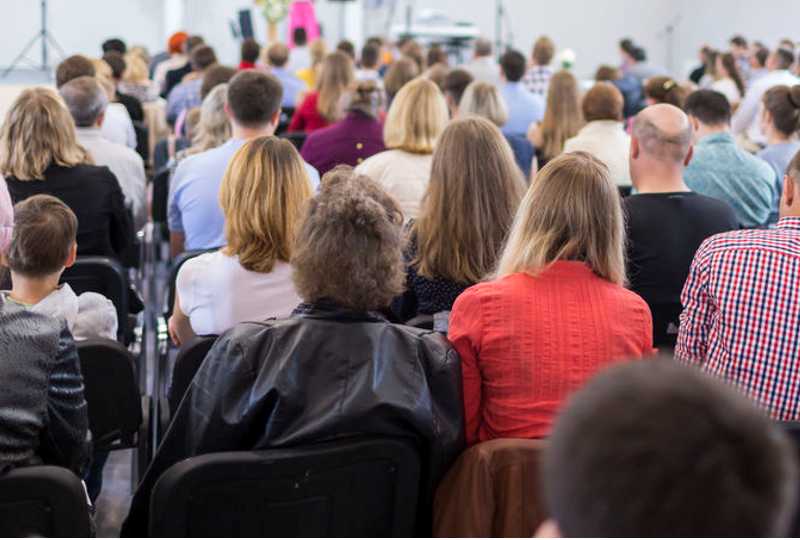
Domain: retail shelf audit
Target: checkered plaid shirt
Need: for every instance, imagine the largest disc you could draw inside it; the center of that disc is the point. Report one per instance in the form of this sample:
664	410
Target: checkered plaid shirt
741	314
537	79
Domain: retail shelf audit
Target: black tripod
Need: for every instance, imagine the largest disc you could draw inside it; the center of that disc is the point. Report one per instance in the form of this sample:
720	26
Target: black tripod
46	37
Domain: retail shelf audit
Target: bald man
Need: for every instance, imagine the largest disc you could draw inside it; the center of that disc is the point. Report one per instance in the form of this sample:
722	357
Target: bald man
666	221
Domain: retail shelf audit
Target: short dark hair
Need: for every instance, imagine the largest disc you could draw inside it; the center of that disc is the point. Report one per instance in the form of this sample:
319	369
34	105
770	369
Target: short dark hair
114	44
456	82
603	102
254	97
513	64
543	51
116	62
215	75
761	54
73	67
347	47
202	57
784	58
437	55
483	47
708	106
278	54
44	233
739	41
299	36
370	55
655	448
192	42
250	50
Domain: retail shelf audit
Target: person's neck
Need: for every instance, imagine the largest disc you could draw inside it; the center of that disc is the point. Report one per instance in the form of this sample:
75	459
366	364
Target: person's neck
31	291
243	133
776	137
660	179
704	130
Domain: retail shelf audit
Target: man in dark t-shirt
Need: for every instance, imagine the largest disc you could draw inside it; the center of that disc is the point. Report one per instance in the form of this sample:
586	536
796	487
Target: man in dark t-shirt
666	222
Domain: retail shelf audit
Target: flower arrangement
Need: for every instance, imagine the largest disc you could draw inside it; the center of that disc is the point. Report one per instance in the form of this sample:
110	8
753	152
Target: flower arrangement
274	10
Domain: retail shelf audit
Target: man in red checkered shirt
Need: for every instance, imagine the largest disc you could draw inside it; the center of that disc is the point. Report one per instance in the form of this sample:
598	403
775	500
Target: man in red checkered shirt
741	308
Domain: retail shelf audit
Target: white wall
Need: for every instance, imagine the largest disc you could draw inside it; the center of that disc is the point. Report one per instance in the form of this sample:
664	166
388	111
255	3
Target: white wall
591	27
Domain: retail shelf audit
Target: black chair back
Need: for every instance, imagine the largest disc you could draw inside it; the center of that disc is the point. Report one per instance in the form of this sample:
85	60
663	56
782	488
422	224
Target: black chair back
160	196
421	321
666	320
284	120
792	429
43	501
297	138
186	365
177	262
345	488
142	140
112	393
105	276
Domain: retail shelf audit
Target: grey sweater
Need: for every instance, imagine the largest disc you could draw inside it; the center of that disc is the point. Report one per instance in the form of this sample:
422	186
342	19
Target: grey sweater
43	413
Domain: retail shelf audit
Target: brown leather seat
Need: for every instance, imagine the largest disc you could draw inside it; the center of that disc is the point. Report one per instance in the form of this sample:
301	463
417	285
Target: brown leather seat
492	490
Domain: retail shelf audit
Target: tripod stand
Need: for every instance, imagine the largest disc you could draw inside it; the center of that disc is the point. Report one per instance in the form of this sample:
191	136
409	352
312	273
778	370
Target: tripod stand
46	37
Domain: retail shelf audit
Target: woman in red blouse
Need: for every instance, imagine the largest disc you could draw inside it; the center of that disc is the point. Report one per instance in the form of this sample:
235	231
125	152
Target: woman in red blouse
557	312
323	106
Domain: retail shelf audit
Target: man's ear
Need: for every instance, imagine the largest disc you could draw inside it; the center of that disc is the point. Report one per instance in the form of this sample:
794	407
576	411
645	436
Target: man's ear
73	253
276	118
228	111
635	148
695	123
789	196
548	529
100	119
689	156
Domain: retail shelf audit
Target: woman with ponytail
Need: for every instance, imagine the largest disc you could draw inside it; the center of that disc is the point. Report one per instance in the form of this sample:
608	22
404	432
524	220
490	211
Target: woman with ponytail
665	90
780	122
729	81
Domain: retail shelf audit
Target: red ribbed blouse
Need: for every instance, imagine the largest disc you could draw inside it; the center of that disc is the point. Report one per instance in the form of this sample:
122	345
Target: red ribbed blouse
526	342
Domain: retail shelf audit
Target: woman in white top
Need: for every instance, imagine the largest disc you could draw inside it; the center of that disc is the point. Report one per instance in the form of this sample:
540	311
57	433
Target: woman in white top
416	119
262	194
729	82
604	134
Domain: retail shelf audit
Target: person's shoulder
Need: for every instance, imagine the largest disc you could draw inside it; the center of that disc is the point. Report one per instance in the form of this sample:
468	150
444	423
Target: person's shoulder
712	205
212	263
19	323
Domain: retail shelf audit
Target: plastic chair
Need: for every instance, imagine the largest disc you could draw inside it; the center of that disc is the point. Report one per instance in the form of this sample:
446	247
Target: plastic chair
119	415
186	365
345	488
43	501
297	138
792	429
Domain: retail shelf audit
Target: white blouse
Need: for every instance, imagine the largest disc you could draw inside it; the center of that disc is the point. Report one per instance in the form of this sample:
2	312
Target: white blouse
403	175
216	293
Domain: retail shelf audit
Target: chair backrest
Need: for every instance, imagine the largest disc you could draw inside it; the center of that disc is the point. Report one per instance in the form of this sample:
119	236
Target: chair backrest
186	365
666	320
177	262
285	119
350	487
160	195
142	140
112	392
297	138
792	429
105	276
492	490
43	501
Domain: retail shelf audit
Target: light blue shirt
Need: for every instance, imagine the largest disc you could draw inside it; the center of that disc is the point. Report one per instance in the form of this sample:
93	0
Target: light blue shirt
779	156
183	97
722	170
291	85
524	108
194	207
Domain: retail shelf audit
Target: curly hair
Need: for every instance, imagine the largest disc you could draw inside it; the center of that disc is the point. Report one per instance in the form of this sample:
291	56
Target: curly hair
348	248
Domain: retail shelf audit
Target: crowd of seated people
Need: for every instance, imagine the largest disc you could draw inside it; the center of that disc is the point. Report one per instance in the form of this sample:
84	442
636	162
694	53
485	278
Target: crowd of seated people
484	251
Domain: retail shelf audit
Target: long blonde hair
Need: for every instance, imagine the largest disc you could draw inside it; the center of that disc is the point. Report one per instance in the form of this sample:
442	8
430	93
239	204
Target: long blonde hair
262	195
572	211
563	117
335	77
416	118
215	126
474	192
38	132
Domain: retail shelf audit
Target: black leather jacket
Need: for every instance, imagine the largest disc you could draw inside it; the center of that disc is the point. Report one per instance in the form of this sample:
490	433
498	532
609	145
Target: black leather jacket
43	414
323	374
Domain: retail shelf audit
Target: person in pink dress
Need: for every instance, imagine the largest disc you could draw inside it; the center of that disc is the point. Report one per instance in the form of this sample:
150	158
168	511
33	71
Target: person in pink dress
302	15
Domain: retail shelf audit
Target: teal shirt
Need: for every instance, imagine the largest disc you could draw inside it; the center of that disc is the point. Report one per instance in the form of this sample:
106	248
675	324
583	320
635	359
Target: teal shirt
722	170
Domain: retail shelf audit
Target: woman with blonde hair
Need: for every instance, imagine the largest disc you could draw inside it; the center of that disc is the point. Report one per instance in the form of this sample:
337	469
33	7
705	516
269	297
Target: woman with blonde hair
39	154
474	192
135	79
262	195
416	119
214	128
318	50
484	98
323	106
557	311
562	117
